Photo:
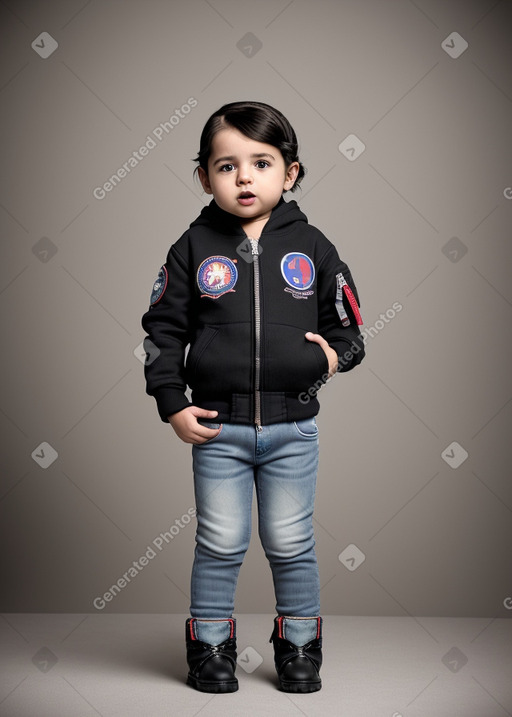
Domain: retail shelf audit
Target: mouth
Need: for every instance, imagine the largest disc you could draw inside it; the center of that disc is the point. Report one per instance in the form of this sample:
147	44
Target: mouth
246	198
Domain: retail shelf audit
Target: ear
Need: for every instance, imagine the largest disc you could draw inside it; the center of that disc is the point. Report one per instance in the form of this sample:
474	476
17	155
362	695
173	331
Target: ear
291	176
203	178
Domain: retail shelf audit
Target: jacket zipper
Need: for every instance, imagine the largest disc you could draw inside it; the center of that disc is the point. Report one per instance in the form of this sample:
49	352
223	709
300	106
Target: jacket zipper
257	334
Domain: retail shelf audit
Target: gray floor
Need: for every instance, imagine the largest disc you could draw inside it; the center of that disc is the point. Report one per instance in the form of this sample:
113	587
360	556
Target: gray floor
87	665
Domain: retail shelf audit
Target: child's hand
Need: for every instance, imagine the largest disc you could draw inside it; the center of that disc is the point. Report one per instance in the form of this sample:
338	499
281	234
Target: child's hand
332	356
187	428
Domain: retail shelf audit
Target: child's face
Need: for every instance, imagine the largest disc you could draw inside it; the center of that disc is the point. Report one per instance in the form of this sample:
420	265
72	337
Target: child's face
239	165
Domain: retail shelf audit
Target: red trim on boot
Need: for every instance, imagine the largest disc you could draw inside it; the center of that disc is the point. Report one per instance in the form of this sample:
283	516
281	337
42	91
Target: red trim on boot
193	620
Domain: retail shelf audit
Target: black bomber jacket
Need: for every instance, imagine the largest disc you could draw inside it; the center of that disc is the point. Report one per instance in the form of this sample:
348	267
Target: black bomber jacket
242	307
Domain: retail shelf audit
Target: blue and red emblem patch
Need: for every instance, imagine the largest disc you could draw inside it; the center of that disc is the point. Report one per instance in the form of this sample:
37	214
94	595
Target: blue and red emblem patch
216	276
299	273
159	286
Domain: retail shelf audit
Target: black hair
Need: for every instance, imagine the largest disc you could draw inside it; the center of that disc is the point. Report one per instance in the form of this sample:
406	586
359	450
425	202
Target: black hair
257	121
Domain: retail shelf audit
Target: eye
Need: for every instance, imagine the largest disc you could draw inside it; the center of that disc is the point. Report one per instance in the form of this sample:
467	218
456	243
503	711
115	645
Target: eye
262	162
226	168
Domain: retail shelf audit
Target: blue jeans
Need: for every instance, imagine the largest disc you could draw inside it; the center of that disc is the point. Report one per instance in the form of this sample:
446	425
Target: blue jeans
281	461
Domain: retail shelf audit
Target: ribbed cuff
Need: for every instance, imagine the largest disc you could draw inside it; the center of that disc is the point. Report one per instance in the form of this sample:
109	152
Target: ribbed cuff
349	355
169	401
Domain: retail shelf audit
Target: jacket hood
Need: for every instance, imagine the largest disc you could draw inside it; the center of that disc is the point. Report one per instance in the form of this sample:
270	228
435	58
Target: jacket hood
283	214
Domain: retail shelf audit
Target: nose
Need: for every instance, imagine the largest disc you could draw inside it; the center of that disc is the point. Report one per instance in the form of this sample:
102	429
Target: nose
244	175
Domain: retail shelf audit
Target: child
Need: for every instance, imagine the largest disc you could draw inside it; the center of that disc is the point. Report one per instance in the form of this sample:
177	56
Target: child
270	313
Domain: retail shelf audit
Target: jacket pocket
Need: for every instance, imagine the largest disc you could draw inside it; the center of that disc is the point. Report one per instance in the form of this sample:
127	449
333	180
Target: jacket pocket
292	363
199	346
219	360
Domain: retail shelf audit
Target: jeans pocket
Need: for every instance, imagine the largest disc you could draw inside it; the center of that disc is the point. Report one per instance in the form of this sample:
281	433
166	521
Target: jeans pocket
307	427
213	426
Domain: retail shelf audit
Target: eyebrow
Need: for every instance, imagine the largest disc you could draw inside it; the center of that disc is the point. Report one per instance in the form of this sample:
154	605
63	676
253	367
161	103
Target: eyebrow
231	158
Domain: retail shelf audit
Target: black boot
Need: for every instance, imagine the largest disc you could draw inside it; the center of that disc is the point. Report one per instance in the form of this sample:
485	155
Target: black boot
211	667
298	666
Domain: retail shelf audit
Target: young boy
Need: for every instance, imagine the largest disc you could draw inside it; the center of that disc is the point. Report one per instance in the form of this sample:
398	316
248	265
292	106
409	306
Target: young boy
270	313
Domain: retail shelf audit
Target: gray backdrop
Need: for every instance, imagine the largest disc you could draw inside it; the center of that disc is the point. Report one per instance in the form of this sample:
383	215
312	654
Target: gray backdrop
414	500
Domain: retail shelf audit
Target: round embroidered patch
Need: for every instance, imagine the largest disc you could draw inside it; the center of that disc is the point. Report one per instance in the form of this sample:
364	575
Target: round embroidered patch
159	286
216	276
298	270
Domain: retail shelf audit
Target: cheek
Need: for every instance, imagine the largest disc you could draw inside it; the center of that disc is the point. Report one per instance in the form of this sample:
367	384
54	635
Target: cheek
221	187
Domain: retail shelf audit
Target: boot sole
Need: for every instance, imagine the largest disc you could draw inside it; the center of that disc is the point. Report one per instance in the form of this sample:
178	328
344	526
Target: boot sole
302	687
226	686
